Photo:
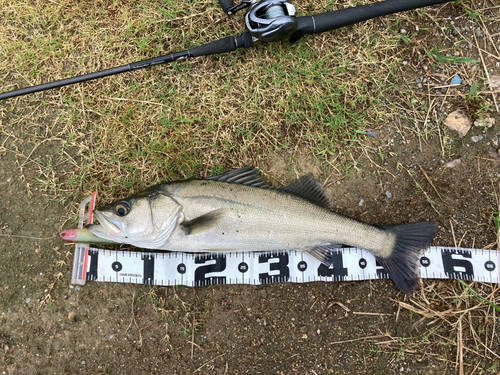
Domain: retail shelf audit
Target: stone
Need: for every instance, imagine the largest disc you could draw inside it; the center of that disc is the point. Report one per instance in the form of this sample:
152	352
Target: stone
459	122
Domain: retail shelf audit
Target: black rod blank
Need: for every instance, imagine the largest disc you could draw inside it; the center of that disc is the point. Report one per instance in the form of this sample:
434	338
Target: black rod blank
227	44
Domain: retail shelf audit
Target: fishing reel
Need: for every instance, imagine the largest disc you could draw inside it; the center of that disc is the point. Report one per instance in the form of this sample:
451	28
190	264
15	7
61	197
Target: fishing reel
267	20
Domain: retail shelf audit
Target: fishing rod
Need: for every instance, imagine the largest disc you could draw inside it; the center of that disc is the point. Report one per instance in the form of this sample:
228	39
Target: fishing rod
266	21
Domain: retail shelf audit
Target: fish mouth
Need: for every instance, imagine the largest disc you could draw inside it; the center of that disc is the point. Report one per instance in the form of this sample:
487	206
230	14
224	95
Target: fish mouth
107	226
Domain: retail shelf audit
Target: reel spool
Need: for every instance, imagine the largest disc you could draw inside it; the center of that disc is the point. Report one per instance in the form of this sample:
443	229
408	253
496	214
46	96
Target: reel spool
271	20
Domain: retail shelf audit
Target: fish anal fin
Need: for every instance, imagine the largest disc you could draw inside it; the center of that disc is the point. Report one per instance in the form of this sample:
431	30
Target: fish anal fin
328	254
204	222
309	188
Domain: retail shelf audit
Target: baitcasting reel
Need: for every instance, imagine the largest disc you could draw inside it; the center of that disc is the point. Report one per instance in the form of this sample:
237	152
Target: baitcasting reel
268	20
271	20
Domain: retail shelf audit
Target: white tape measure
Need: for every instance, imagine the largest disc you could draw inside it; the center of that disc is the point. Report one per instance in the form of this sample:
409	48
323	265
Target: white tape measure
172	268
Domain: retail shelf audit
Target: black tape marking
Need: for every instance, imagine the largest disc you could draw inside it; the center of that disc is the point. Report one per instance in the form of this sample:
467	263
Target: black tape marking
243	267
363	263
338	272
302	266
149	269
200	273
451	264
425	262
381	272
117	266
91	274
181	268
489	266
281	266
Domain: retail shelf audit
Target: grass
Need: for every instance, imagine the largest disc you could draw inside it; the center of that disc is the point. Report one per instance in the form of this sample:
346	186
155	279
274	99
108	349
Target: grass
182	120
198	117
467	311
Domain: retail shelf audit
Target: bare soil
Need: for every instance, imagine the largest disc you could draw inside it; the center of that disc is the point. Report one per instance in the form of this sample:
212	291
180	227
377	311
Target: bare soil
316	328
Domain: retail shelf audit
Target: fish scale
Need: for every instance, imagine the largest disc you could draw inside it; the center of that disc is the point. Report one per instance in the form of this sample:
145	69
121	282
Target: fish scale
264	220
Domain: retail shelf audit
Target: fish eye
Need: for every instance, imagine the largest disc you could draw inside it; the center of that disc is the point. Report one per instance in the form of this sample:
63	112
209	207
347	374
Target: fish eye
122	208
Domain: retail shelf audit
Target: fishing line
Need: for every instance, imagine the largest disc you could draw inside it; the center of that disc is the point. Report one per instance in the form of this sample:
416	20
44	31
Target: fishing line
30	237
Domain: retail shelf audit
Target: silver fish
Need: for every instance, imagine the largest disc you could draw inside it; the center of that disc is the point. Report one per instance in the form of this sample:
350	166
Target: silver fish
238	211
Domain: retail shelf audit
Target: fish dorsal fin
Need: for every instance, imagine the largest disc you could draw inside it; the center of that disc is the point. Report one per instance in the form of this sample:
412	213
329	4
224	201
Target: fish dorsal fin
244	176
309	188
306	187
204	222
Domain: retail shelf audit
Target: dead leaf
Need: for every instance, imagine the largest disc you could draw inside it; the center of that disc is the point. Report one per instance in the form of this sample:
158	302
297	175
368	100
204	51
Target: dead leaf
493	154
495	82
453	163
459	122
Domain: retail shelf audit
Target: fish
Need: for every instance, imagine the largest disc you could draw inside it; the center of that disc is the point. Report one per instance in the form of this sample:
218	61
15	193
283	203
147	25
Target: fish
239	211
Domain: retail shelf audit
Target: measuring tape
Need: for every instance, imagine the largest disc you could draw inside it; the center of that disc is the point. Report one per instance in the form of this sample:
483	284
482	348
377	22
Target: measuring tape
258	268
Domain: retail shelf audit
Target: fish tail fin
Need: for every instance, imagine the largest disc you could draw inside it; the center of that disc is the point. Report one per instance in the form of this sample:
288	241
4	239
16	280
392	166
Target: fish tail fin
403	264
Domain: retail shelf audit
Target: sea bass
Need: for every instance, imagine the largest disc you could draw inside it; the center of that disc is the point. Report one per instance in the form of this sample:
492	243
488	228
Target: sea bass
238	211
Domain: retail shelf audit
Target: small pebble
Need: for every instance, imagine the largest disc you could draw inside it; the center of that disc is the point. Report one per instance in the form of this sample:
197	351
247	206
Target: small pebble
361	202
77	288
403	31
388	194
28	300
486	122
476	138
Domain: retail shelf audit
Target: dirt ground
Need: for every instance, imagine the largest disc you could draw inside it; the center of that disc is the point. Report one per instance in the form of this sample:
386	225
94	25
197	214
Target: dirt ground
48	326
315	328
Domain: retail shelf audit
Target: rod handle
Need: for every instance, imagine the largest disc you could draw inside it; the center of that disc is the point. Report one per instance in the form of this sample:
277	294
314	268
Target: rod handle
226	4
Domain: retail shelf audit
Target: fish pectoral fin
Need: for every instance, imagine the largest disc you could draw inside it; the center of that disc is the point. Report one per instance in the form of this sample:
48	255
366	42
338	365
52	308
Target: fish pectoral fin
309	188
328	254
204	222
